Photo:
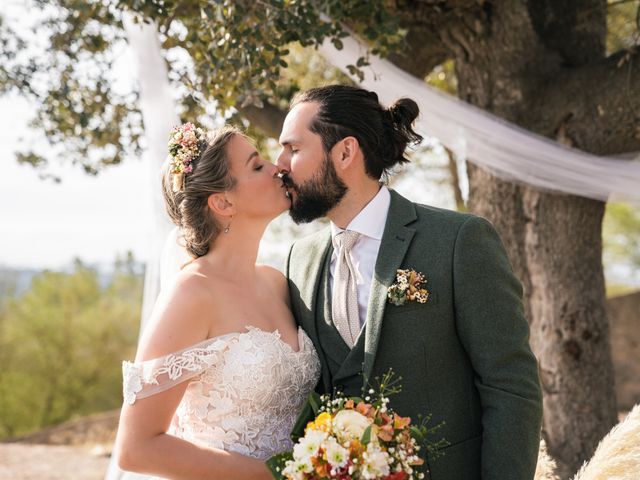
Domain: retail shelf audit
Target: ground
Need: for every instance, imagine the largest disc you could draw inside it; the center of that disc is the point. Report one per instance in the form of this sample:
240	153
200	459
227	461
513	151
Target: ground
78	449
20	461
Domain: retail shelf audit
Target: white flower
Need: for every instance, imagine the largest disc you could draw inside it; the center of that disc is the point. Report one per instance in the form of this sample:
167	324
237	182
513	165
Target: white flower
308	446
351	423
337	455
376	462
296	470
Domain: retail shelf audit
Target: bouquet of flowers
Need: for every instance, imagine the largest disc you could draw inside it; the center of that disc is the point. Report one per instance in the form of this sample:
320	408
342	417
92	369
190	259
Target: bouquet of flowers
353	438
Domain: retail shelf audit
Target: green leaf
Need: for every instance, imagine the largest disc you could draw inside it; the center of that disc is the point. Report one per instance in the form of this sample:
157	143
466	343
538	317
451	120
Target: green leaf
277	463
366	436
308	413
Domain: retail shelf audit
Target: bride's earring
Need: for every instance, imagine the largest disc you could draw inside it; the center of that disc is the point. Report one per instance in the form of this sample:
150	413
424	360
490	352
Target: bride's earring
226	230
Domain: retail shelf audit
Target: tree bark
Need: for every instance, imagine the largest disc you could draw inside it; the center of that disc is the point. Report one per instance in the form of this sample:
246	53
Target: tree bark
526	61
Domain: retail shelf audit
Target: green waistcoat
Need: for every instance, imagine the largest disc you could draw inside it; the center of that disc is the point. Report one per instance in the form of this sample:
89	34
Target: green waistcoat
344	364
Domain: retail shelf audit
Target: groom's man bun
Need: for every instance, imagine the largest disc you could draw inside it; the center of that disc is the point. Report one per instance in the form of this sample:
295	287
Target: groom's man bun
188	208
383	134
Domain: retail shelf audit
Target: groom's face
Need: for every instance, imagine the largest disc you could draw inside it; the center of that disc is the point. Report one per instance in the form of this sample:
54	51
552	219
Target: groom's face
309	173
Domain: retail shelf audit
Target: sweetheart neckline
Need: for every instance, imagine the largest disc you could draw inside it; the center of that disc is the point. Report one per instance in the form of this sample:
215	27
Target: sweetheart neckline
251	328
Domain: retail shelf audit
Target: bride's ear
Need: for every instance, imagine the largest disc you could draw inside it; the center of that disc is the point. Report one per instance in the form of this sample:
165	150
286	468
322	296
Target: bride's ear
220	205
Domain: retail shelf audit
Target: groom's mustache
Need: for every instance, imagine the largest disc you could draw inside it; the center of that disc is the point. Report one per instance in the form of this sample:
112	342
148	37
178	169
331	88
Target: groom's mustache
288	183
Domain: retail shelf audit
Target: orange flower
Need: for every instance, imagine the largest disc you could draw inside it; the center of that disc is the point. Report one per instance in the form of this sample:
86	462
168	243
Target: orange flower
356	448
400	422
349	404
365	409
385	433
385	418
322	468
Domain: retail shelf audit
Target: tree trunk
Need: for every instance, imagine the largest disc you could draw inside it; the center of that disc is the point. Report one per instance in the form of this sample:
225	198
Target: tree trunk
554	241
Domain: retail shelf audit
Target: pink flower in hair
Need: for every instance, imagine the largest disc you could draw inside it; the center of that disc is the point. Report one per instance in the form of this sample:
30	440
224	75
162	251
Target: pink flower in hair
184	148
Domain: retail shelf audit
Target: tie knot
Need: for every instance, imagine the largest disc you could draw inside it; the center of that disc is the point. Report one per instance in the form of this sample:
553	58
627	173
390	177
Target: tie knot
347	239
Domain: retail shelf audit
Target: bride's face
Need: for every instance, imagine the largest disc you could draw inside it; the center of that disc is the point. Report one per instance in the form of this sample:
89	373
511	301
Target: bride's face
258	191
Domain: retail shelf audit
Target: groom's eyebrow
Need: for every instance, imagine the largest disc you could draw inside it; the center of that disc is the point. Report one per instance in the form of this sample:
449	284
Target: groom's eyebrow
288	142
253	155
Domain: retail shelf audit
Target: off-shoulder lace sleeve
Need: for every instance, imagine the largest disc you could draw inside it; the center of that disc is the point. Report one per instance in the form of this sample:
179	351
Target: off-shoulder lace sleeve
143	379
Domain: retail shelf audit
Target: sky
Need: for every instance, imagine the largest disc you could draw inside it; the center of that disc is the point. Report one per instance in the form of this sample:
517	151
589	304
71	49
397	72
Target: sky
46	225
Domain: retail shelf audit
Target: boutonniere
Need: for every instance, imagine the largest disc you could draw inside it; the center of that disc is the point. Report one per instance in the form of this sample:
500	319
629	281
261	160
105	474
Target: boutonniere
409	287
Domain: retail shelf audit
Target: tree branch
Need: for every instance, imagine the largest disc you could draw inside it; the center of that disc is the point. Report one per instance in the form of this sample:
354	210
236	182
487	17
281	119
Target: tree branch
424	51
268	119
595	107
433	28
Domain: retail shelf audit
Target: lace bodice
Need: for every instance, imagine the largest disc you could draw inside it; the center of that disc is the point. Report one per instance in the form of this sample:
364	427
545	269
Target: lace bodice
244	394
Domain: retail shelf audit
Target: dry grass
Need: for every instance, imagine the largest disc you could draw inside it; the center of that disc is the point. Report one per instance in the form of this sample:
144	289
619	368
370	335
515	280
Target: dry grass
618	455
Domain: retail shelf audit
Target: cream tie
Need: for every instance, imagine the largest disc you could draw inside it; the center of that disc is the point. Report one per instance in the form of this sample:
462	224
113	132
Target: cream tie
344	300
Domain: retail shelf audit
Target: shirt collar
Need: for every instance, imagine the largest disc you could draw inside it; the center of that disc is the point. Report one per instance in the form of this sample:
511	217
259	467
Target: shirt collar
371	219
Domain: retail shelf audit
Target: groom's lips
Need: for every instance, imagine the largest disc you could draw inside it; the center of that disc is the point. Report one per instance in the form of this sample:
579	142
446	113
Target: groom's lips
287	184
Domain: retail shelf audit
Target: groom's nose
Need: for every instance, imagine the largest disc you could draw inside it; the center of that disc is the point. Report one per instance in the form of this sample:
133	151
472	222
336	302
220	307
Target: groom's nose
283	162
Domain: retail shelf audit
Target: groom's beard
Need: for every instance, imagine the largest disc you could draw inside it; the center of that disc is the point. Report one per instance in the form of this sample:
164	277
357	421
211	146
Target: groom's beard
315	197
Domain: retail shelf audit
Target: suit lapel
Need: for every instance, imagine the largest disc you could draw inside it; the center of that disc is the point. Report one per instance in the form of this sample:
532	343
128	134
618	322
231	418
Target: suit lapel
308	287
393	248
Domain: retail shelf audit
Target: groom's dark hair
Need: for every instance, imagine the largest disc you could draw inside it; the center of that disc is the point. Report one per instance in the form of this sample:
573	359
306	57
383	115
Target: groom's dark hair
383	133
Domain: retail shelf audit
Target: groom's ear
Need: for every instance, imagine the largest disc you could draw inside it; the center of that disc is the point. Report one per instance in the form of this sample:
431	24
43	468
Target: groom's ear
346	152
220	205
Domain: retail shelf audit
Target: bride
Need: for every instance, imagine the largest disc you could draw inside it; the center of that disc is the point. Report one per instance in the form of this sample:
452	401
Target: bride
221	371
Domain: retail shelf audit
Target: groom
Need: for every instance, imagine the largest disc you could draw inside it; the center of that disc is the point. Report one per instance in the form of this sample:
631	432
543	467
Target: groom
463	355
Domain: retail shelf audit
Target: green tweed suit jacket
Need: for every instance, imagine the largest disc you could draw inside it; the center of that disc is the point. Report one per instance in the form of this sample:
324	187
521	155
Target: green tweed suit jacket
463	356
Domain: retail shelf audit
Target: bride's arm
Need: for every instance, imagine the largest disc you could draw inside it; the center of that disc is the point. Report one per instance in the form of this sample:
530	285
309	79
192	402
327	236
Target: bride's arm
143	444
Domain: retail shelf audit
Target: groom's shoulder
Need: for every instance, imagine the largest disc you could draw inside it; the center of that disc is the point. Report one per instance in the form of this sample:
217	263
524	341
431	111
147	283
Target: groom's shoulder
311	242
423	214
307	251
442	217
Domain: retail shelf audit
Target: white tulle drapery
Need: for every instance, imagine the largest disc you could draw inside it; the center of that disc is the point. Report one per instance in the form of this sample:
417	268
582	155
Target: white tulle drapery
159	114
507	150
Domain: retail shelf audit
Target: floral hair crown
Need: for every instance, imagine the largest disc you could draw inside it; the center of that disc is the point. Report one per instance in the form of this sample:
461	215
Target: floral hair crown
184	148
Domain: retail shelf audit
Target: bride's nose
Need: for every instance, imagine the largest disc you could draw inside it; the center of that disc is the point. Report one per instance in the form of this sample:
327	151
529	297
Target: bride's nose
273	169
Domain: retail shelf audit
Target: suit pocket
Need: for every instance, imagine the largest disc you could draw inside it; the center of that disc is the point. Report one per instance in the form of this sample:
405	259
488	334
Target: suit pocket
460	460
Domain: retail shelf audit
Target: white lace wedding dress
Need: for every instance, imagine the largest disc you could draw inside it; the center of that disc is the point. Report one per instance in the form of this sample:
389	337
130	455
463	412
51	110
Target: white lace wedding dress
244	394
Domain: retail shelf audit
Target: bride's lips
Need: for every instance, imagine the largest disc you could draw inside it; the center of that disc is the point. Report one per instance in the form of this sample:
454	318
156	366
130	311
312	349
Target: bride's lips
286	184
287	193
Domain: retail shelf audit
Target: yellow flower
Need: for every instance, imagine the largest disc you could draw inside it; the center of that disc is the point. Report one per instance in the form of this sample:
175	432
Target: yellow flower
323	422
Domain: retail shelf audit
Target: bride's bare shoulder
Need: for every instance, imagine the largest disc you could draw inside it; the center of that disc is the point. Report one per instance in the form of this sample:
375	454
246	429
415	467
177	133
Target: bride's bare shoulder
181	316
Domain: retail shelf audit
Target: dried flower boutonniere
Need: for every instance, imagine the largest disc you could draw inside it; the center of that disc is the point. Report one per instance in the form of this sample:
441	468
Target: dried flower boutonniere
409	287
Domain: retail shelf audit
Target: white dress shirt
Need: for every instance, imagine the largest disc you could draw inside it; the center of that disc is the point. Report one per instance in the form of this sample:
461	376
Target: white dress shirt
369	223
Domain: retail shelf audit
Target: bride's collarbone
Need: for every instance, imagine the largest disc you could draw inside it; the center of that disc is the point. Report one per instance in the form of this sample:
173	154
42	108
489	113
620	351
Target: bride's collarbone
237	308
